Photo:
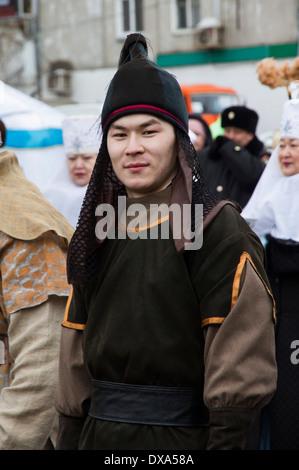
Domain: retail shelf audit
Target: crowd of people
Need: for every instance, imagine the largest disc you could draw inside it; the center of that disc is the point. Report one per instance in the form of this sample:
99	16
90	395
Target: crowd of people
114	336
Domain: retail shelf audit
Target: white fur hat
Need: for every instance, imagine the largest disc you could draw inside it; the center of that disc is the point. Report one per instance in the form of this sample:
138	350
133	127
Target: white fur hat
290	119
81	134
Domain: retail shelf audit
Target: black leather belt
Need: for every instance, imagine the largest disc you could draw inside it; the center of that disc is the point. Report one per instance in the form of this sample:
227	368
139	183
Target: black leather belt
143	404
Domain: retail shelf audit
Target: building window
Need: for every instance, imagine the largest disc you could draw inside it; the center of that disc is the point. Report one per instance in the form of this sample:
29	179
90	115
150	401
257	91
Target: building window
27	8
8	8
129	16
187	13
18	8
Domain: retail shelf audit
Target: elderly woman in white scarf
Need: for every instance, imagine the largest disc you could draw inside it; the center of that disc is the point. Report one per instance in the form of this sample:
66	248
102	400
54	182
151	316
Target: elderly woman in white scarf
81	141
273	213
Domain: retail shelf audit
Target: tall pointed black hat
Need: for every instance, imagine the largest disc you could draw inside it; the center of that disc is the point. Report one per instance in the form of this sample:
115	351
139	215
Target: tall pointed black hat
139	85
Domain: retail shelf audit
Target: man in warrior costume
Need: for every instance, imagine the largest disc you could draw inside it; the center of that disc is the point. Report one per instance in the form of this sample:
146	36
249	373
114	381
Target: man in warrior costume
167	342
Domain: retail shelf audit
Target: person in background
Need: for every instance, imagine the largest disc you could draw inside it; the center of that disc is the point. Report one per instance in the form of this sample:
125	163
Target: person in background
273	213
234	162
34	290
66	189
160	346
2	134
202	136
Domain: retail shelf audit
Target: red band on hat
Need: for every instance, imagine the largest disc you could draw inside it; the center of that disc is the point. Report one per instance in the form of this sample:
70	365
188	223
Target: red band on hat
144	107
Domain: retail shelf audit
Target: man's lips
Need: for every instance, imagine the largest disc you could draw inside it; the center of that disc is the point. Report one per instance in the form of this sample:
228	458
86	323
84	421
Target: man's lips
136	166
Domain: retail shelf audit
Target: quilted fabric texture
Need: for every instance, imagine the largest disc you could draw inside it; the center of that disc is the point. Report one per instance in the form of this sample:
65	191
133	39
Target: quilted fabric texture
31	271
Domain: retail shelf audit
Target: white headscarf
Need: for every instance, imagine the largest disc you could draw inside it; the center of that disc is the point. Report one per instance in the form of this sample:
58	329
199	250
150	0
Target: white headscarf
274	205
80	135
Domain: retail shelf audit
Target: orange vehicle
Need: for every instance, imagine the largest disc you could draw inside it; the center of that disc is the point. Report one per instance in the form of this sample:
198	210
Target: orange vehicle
209	100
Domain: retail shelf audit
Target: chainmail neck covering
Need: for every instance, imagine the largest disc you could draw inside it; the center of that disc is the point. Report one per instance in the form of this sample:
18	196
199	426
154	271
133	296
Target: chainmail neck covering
104	188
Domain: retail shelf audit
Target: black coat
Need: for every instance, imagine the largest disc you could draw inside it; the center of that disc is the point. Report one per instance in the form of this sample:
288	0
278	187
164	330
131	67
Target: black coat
231	171
283	273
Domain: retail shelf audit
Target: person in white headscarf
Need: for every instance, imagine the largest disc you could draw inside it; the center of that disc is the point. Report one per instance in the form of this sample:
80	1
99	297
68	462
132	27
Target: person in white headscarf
66	190
273	213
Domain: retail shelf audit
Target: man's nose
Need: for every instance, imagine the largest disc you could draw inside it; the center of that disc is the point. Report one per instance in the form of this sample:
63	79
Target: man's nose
134	144
230	134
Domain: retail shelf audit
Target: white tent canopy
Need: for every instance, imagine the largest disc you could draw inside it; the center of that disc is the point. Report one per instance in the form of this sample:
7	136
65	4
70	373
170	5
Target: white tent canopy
33	132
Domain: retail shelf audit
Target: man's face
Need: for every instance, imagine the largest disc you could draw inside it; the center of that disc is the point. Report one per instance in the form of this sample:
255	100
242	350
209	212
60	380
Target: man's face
80	167
143	153
240	136
288	156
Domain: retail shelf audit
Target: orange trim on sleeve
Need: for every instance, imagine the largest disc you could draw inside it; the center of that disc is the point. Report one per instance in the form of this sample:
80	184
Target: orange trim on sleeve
236	289
65	322
74	326
237	279
213	320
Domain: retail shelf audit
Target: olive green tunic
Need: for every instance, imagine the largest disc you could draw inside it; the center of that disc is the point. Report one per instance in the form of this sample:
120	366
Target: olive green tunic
156	317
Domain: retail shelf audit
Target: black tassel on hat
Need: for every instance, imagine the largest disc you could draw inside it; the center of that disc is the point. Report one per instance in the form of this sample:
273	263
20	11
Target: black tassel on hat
140	86
134	47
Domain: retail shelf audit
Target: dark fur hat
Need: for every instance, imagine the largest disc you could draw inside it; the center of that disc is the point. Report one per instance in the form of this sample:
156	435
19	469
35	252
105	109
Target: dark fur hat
241	117
140	86
2	133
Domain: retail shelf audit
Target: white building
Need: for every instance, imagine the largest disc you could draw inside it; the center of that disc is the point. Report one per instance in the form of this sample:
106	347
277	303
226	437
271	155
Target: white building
75	45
